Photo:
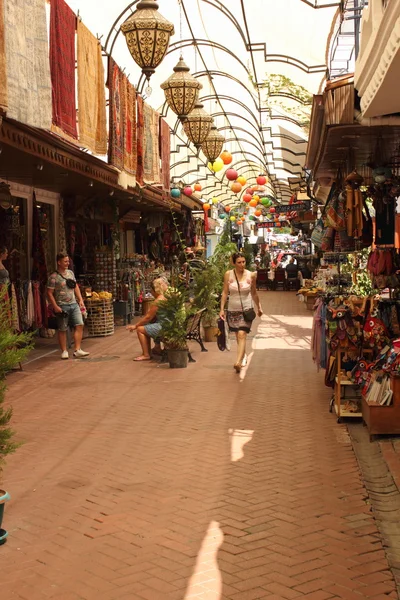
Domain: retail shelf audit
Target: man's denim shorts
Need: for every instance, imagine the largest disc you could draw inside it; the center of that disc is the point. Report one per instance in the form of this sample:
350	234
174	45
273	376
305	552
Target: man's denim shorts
153	330
71	318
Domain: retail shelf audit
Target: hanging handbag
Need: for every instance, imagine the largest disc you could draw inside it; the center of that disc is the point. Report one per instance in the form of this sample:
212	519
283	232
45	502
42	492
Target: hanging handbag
221	337
335	213
249	314
328	239
317	233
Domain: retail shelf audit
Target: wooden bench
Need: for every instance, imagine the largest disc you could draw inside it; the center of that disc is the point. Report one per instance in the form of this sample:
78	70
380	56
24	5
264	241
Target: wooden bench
193	324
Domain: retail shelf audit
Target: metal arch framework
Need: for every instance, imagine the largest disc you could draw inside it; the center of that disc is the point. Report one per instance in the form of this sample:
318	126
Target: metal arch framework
250	47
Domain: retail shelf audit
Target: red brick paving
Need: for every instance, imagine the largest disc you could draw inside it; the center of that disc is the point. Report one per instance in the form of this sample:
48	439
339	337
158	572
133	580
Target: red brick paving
139	482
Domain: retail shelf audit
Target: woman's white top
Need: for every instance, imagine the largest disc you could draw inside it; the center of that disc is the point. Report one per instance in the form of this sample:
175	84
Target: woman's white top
234	303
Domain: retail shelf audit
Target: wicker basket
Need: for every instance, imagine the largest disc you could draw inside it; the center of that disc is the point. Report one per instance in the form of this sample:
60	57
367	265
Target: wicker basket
100	317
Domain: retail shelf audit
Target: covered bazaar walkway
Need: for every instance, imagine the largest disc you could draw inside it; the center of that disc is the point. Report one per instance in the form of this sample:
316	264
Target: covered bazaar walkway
137	482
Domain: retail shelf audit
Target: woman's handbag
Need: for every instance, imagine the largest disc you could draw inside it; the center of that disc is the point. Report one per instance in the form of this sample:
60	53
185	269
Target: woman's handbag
249	314
221	337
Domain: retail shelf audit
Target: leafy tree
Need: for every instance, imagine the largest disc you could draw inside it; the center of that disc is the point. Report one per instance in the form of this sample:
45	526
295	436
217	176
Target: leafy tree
13	349
221	258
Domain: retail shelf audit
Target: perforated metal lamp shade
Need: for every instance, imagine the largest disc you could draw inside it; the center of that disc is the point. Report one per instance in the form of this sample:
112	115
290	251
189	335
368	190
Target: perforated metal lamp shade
147	34
181	90
197	125
213	144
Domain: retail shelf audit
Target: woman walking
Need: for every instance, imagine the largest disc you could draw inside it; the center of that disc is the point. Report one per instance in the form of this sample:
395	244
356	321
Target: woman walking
240	286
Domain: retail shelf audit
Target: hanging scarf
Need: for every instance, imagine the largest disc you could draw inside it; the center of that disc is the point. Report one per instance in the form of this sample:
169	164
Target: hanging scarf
30	307
37	305
140	140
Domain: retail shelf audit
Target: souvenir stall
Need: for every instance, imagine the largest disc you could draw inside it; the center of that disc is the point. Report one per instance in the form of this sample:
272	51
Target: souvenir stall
356	301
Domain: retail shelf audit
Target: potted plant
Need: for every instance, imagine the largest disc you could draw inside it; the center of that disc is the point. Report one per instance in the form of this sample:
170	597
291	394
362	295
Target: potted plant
172	314
13	349
205	282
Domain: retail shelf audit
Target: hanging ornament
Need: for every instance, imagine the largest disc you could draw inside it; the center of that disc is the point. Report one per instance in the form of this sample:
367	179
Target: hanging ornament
197	187
216	166
256	198
258	213
147	34
261	180
175	192
213	143
188	190
231	174
264	201
251	217
226	157
227	209
240	222
242	180
233	219
236	187
214	200
250	191
222	216
272	209
253	203
197	125
206	207
181	90
247	198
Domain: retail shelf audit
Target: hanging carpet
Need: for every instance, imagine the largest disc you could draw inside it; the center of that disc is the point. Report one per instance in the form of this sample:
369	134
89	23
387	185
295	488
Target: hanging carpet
130	154
165	152
3	65
62	64
151	162
117	107
27	60
140	141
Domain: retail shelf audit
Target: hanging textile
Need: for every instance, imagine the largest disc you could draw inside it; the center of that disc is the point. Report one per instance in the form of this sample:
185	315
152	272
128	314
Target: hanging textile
30	307
140	140
91	92
117	108
38	305
62	239
165	153
3	65
130	154
27	60
62	64
151	162
39	267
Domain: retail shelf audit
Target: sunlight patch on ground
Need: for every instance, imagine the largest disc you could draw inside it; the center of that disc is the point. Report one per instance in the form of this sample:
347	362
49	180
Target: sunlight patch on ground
239	438
206	578
279	332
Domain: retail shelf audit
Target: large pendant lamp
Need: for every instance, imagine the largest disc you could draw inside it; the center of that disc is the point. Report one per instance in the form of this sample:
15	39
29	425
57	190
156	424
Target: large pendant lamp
197	125
181	90
147	34
213	144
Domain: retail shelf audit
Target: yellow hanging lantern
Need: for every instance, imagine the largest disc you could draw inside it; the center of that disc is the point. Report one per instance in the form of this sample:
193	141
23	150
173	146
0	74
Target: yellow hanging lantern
214	200
242	180
216	166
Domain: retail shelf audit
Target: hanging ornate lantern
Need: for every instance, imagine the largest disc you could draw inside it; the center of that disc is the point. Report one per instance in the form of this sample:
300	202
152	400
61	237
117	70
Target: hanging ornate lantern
213	143
147	34
181	90
197	125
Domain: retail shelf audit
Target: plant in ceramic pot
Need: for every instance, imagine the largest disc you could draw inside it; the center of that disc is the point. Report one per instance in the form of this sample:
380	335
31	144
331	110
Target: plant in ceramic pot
13	349
205	282
172	314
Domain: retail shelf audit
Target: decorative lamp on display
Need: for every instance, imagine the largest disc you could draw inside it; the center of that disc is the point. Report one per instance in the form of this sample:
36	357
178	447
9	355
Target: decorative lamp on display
226	157
175	192
261	179
216	166
213	143
147	34
242	180
197	125
247	198
197	187
231	174
236	187
181	90
188	190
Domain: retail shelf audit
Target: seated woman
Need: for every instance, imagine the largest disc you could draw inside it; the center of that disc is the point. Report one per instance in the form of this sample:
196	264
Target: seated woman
148	327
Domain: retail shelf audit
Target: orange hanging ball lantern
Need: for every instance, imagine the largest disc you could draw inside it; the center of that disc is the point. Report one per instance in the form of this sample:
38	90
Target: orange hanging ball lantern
256	198
236	187
206	206
242	180
246	198
226	157
258	213
239	222
197	187
261	180
227	209
231	174
253	203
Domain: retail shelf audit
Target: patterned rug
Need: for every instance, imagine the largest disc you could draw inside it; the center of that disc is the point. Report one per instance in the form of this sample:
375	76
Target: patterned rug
140	140
165	151
27	59
92	117
62	66
3	65
151	162
130	156
117	102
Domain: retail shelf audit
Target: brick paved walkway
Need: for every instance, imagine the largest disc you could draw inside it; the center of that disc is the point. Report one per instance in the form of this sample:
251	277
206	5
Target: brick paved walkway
137	482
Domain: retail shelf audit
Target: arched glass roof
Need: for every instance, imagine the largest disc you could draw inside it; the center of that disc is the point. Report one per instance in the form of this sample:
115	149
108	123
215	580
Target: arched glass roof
259	62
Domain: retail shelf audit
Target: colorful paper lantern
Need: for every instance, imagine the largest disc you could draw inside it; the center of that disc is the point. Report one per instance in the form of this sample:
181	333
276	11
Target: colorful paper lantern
261	180
216	166
253	203
214	200
222	216
228	209
175	192
256	197
197	187
233	219
188	190
236	187
258	213
251	217
250	191
231	174
247	198
242	180
226	157
272	209
265	201
206	206
240	222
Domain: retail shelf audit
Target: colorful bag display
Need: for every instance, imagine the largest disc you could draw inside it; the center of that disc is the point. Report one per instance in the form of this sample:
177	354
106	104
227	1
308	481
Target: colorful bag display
335	213
317	233
328	239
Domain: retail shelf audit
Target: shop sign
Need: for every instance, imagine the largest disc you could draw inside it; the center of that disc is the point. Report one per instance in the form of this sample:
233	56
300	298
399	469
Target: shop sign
300	206
270	224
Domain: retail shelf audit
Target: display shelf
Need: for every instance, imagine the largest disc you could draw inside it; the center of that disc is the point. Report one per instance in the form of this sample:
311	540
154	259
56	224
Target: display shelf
340	385
384	420
347	413
346	382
